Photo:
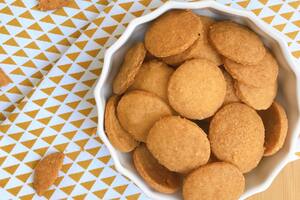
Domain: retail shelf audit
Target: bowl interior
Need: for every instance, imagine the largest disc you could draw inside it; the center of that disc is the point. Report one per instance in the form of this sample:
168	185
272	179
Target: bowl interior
287	94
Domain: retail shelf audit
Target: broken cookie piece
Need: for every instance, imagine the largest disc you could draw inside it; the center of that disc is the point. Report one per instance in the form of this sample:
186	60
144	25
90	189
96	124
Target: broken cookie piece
47	171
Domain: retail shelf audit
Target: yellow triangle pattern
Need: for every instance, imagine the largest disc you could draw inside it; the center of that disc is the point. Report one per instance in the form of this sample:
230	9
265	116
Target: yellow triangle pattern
10	108
47	19
27	83
3	30
32	45
18	4
61	147
81	44
12	117
126	6
57	127
23	34
93	9
8	61
29	64
88	185
11	42
80	15
73	56
69	87
60	12
37	75
20	53
53	49
69	23
36	27
84	164
27	15
14	22
73	156
100	193
44	38
65	116
17	71
58	180
76	34
15	90
76	176
6	10
74	5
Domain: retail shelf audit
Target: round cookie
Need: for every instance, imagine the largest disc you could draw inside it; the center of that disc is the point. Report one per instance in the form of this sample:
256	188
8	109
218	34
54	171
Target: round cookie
157	176
259	75
139	110
200	49
197	89
132	62
172	33
230	96
153	77
259	98
237	42
118	137
218	180
178	144
236	135
276	125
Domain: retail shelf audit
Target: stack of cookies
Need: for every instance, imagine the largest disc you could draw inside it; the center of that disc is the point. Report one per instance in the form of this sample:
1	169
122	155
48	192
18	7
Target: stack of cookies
195	104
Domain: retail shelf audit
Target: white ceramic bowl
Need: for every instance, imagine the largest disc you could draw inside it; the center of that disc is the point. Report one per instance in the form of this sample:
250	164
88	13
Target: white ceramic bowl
288	94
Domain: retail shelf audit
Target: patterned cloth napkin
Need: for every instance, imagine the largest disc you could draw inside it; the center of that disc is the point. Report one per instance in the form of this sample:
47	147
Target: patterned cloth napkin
54	59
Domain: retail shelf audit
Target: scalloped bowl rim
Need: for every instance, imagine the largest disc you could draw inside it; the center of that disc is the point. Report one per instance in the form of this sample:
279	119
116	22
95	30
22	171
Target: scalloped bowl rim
192	5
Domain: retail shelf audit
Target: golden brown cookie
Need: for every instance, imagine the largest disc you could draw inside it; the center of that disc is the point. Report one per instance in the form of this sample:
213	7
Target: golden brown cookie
132	62
172	33
236	135
153	77
260	75
200	49
139	110
258	98
118	137
214	181
52	4
178	144
230	96
197	89
157	176
46	172
4	79
237	42
276	125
